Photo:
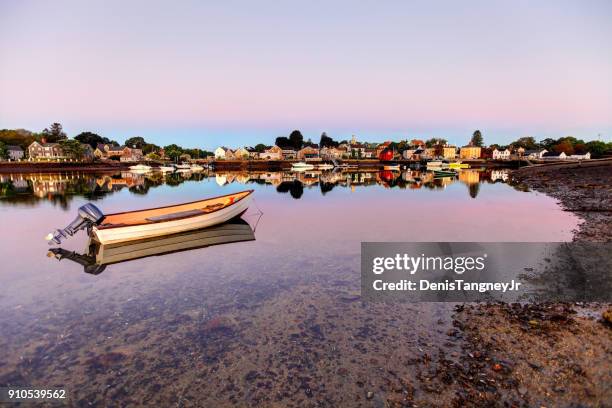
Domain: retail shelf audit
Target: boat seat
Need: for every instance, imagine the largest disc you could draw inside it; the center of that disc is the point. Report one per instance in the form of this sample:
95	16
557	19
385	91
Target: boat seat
184	214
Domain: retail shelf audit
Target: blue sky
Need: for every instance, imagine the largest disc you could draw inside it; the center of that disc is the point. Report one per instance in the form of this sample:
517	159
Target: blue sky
236	73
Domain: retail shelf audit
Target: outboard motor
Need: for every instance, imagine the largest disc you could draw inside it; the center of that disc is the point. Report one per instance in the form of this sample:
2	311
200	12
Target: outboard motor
89	215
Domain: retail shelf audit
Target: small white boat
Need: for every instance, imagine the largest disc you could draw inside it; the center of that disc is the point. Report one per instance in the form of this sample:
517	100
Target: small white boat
183	166
392	167
166	168
301	166
434	163
325	166
140	167
196	167
155	222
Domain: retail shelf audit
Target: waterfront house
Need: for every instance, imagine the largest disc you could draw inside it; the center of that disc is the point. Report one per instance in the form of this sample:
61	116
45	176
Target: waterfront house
273	153
288	153
45	150
535	154
253	154
554	156
356	150
408	154
308	153
114	152
14	152
585	156
223	153
130	155
370	153
381	147
101	151
470	152
241	153
331	153
449	152
87	153
499	154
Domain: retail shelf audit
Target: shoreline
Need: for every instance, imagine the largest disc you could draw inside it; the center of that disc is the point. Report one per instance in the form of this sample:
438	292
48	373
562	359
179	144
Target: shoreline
540	354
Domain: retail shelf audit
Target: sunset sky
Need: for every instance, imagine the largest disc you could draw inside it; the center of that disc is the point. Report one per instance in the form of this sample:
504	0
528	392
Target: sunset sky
241	72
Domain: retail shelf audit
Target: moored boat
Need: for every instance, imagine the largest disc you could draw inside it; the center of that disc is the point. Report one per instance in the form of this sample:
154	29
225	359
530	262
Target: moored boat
183	166
196	167
458	165
155	222
166	168
444	173
98	256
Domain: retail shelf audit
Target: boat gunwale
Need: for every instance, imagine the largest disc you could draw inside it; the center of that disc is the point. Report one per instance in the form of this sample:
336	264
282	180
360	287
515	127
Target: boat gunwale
102	227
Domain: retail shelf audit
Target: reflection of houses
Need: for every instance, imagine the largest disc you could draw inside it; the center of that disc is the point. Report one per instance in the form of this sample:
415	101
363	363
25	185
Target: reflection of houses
273	153
470	152
501	175
44	150
308	153
14	152
114	183
469	176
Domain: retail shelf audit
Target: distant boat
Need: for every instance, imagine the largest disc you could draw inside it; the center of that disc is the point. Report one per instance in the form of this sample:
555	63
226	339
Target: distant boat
196	167
458	165
392	167
155	222
183	166
301	166
167	168
99	256
140	167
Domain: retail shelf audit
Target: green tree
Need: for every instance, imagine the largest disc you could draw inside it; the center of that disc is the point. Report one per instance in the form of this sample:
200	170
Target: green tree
527	143
72	148
296	139
150	148
260	148
283	142
548	143
173	151
476	139
91	139
3	151
54	133
598	148
327	141
153	156
136	142
435	141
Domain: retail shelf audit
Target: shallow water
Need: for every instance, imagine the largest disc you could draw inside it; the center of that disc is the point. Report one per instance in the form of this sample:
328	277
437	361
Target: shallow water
276	320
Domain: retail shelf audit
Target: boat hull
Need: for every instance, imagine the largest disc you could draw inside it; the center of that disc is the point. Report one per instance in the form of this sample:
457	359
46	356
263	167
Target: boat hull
135	232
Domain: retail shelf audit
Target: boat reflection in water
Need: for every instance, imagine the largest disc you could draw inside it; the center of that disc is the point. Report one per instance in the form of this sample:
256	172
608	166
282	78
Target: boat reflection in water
99	256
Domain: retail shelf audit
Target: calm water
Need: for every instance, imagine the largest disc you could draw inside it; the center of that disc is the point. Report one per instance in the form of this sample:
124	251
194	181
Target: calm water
272	321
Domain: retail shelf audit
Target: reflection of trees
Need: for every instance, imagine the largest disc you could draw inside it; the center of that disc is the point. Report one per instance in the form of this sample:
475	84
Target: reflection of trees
474	189
326	187
295	188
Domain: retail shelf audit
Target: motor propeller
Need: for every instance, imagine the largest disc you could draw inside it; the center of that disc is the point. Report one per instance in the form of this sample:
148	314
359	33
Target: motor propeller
88	216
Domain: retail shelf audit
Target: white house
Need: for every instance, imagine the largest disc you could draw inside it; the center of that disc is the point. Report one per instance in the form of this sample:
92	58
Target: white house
535	154
554	156
223	152
501	154
585	156
273	153
14	152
